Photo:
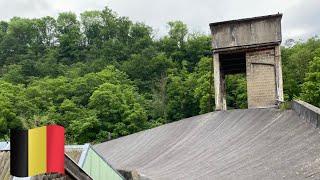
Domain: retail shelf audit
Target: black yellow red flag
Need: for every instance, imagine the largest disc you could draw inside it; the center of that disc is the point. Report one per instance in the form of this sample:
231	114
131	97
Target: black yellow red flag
37	151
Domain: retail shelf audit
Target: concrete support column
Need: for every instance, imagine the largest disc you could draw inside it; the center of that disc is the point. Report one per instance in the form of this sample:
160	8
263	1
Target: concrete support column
218	90
278	68
224	92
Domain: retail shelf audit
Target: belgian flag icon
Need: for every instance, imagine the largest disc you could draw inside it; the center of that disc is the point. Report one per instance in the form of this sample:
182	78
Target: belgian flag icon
37	151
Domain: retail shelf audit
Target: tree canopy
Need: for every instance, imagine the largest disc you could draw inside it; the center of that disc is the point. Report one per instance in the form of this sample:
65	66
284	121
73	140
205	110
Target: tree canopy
102	76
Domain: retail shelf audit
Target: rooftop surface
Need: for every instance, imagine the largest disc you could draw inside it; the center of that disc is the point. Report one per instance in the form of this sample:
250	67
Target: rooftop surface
235	144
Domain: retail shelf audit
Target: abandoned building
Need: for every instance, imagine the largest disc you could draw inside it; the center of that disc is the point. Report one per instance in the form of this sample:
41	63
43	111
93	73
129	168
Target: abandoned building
262	142
250	46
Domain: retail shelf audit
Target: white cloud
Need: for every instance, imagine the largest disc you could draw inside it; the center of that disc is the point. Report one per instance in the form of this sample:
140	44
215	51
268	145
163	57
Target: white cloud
300	18
23	8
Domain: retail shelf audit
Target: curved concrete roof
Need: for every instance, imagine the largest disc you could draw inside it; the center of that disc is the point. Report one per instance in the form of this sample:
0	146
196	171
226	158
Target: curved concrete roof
235	144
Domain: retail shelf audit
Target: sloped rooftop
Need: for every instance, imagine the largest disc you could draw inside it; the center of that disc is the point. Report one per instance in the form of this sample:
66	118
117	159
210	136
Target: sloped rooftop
235	144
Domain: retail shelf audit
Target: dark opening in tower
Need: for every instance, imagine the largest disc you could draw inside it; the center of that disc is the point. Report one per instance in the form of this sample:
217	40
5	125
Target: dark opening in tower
233	68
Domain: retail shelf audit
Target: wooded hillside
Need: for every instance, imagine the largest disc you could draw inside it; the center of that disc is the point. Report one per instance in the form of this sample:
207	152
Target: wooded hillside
102	76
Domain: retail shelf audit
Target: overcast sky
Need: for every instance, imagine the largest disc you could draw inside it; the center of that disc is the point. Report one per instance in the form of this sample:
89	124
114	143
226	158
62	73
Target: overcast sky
301	18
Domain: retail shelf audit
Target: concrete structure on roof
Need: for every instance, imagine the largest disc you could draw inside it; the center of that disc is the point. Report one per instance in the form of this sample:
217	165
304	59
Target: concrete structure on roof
250	46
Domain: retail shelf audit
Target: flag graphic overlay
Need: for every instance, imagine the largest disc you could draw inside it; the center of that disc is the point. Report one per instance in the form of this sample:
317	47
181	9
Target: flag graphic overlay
37	151
19	153
55	149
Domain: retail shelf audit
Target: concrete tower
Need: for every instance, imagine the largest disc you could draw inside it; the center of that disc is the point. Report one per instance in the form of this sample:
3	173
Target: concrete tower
250	46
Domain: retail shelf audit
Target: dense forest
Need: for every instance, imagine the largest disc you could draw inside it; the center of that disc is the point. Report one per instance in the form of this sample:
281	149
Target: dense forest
103	76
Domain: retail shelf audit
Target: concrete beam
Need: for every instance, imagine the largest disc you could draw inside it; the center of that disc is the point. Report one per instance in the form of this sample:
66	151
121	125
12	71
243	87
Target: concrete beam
244	32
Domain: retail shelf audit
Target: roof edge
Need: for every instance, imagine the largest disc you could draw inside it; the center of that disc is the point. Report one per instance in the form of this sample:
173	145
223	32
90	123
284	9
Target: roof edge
83	154
246	19
106	161
248	46
307	112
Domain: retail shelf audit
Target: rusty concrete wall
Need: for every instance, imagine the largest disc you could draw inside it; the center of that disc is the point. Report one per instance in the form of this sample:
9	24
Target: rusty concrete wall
261	82
245	32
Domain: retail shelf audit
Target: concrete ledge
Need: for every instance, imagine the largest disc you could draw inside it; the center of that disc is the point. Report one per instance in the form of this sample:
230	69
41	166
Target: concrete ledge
308	112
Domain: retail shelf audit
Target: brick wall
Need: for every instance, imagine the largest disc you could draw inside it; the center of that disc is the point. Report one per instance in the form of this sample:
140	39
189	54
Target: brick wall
261	82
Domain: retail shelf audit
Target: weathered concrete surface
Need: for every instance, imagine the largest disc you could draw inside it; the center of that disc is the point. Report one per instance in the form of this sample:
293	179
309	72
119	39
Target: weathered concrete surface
255	31
236	144
307	112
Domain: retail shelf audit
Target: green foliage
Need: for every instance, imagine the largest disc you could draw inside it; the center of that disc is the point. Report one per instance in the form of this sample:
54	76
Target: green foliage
198	45
295	62
146	69
285	105
15	109
174	44
118	109
311	86
203	90
181	102
236	91
103	76
177	32
69	38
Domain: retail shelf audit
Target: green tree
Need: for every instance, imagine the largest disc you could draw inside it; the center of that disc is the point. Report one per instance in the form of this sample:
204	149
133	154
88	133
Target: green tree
83	87
47	93
311	86
197	47
203	91
15	109
178	32
92	27
145	70
140	38
295	62
105	76
45	29
174	44
118	109
181	102
236	91
69	38
18	41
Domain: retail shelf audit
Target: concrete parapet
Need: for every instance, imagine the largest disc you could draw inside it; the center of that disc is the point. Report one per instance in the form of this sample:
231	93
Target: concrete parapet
308	112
